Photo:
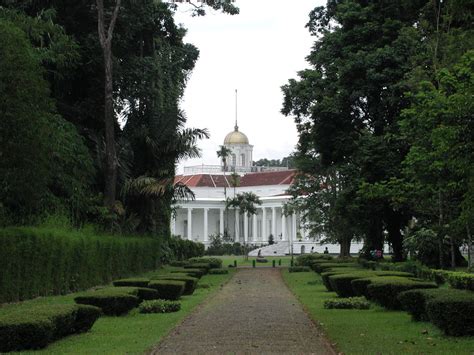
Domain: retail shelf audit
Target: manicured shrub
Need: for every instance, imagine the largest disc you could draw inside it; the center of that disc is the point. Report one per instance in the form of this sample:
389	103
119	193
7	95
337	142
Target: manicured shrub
159	306
341	283
308	259
299	269
191	272
440	276
112	301
202	266
190	282
453	313
325	275
137	282
34	327
168	289
214	263
218	272
461	280
359	286
321	267
182	249
414	301
179	263
347	303
385	290
393	273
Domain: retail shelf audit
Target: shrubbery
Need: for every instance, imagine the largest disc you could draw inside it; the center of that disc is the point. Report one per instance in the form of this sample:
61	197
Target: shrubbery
36	326
218	272
308	259
182	249
190	282
112	301
214	263
347	303
299	269
341	283
178	263
159	306
202	266
137	282
321	267
385	290
168	289
191	272
461	280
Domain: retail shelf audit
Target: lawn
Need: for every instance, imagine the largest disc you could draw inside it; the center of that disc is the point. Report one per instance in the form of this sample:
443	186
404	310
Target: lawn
130	334
374	331
229	260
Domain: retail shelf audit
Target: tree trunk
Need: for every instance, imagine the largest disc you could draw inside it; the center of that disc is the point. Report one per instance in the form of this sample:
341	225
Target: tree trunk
394	222
440	232
345	247
469	246
453	255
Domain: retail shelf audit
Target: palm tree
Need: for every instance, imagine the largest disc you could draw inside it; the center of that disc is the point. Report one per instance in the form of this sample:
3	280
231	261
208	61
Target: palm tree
247	203
224	153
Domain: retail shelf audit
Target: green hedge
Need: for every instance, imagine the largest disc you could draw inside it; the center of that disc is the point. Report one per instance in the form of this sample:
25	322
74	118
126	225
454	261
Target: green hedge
40	262
191	272
341	283
385	290
321	267
453	313
34	327
168	289
159	306
178	263
203	266
308	259
214	263
414	301
299	269
461	280
325	275
218	272
137	282
190	282
182	249
347	303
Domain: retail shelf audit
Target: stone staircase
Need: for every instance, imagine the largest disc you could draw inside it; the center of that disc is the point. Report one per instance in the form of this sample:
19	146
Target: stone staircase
278	249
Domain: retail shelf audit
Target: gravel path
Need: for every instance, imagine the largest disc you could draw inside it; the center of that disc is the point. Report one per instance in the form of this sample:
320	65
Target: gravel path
254	313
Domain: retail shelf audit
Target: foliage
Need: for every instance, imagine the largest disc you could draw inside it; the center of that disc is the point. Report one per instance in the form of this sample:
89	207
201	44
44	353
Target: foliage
198	273
299	269
461	280
347	303
190	282
201	266
287	162
217	247
41	261
341	283
138	282
321	267
218	272
168	289
452	313
159	306
112	301
215	263
181	249
37	326
307	259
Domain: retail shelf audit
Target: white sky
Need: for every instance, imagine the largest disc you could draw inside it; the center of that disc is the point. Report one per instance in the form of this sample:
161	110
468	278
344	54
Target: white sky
255	52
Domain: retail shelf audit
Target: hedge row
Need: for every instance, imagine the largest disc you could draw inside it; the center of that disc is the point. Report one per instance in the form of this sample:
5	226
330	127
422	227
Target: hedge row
449	309
214	263
34	327
42	262
190	282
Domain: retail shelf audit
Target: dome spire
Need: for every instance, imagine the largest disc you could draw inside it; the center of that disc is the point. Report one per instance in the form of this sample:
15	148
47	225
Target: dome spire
236	127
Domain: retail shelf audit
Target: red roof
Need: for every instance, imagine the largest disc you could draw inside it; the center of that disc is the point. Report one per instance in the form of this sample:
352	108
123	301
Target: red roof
251	179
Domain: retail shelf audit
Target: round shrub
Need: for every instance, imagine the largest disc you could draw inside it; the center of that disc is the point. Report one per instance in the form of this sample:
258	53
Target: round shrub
159	306
138	282
347	303
168	289
299	269
190	282
453	313
218	272
385	290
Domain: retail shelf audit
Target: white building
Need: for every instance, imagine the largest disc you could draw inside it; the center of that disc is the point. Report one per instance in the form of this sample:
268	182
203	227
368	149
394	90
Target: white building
205	216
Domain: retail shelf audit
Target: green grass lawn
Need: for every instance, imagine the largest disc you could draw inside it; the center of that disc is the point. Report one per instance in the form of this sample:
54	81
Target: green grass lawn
229	260
130	334
374	331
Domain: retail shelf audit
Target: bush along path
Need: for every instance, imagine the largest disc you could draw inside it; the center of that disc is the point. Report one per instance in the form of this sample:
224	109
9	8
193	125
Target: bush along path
253	313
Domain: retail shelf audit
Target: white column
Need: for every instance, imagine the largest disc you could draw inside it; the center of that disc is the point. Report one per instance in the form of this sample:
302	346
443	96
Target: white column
206	227
274	217
190	223
283	226
246	227
221	222
254	228
293	225
264	225
237	226
173	224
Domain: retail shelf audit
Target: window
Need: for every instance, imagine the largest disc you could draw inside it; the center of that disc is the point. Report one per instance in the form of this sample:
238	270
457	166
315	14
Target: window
243	159
234	160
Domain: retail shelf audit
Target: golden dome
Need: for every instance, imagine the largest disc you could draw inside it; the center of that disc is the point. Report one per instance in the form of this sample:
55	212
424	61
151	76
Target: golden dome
236	137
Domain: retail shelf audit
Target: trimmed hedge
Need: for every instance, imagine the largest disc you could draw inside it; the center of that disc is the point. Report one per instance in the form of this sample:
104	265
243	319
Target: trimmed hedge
347	303
299	269
159	306
308	259
34	327
214	263
385	290
414	301
325	275
461	280
190	282
341	283
321	267
178	263
116	301
138	282
168	289
43	262
191	272
453	313
218	272
203	266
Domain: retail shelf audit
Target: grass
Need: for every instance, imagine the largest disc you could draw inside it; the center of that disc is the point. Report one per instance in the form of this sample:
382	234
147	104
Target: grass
130	334
229	260
373	331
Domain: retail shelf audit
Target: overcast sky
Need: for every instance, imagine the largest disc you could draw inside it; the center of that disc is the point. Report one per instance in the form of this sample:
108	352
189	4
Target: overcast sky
255	52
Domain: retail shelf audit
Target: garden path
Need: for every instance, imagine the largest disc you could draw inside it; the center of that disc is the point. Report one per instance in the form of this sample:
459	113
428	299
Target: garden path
254	313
